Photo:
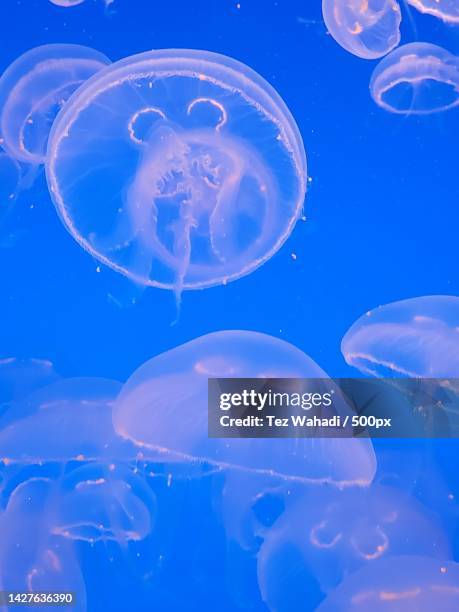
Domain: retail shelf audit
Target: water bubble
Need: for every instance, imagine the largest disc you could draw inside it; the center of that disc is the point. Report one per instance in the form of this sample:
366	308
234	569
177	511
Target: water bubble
195	171
34	88
397	584
418	337
368	29
418	78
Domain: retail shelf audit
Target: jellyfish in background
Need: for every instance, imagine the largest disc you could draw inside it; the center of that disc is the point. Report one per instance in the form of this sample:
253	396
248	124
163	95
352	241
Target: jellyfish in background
100	502
418	337
446	10
66	3
368	29
34	88
32	559
397	584
418	79
68	420
328	534
19	377
194	169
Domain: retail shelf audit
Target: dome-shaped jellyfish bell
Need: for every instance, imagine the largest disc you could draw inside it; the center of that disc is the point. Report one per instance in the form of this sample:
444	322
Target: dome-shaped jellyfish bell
66	3
418	337
194	169
367	29
32	559
398	584
67	420
163	409
446	10
417	79
34	88
104	501
328	534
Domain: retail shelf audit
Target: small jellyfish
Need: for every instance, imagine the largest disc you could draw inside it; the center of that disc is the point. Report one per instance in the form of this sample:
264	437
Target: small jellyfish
415	338
417	79
101	502
19	377
66	3
34	88
446	10
194	169
32	559
366	28
398	584
328	534
67	420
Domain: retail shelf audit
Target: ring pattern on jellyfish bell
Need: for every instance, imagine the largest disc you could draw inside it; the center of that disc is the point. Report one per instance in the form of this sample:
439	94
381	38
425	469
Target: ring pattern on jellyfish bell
367	29
195	170
416	79
34	88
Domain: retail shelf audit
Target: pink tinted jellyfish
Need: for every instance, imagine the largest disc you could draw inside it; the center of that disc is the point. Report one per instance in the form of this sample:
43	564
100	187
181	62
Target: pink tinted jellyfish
398	584
417	79
32	559
67	420
368	29
327	534
163	410
66	3
195	170
446	10
104	501
34	88
418	337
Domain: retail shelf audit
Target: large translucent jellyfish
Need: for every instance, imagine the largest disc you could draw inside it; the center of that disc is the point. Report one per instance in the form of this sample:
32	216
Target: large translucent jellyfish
104	501
32	559
398	584
418	337
368	29
446	10
34	88
194	169
163	408
68	420
418	78
327	534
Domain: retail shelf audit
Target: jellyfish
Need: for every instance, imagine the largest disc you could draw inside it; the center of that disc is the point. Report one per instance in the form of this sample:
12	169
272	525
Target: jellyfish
367	29
34	88
327	534
418	79
66	3
417	337
397	584
67	420
32	559
194	169
102	502
19	377
446	10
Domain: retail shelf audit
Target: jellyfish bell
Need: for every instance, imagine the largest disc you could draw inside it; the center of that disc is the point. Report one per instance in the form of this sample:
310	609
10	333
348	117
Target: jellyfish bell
418	337
327	534
196	165
67	420
396	584
21	376
418	79
32	560
366	29
163	409
102	502
66	3
446	10
34	88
